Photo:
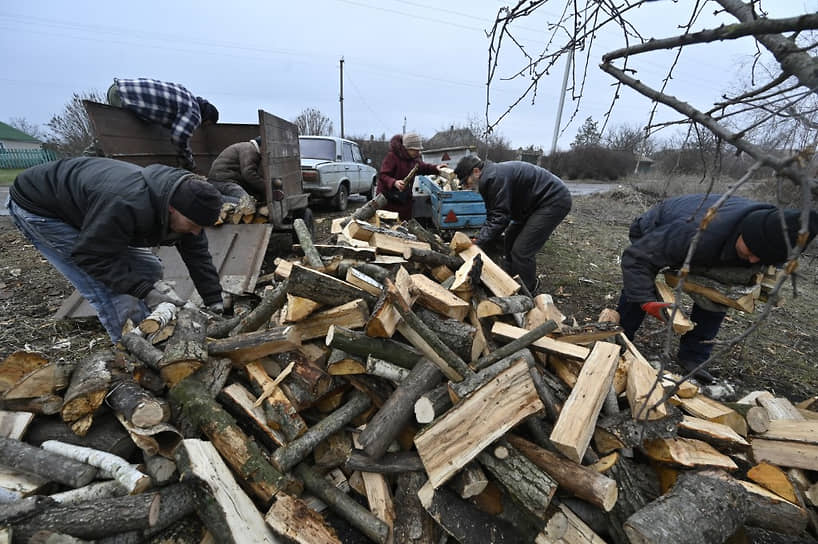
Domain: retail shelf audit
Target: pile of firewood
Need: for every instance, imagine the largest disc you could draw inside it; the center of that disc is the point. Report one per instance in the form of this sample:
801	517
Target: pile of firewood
393	371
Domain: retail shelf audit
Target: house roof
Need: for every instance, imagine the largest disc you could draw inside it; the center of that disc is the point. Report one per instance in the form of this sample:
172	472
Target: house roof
451	137
8	132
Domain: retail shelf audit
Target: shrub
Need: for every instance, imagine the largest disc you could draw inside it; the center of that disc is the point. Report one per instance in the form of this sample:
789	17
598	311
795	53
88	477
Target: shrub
590	162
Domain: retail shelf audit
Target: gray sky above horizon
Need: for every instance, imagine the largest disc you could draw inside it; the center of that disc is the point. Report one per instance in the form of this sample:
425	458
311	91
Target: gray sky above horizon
421	61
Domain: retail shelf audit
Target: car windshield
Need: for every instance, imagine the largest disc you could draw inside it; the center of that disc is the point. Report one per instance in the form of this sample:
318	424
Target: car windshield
317	149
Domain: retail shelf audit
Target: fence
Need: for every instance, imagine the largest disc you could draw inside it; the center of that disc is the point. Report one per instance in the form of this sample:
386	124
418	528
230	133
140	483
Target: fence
23	158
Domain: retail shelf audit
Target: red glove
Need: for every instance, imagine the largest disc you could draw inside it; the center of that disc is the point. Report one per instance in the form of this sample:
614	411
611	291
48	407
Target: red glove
659	310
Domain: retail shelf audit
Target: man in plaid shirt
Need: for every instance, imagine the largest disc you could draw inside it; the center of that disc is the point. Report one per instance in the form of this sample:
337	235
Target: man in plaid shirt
168	104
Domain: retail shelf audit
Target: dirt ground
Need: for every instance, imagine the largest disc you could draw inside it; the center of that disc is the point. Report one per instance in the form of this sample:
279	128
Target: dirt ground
579	266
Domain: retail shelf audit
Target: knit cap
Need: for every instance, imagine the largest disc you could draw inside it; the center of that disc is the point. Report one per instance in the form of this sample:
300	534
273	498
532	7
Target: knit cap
197	200
412	141
761	231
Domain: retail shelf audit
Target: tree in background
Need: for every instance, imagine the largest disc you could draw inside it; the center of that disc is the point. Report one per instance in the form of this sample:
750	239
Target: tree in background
71	132
311	122
23	125
588	134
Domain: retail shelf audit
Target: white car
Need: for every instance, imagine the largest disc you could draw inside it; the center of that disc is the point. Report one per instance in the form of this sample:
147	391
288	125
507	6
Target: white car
334	168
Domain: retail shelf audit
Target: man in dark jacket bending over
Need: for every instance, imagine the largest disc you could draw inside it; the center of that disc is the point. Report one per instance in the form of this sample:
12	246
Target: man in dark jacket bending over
95	219
743	233
523	202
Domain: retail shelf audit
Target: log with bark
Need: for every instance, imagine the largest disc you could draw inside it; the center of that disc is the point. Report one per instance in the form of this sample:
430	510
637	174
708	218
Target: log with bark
389	463
90	383
105	435
271	301
185	351
323	288
367	211
137	405
114	466
251	346
413	525
55	467
387	423
432	404
358	343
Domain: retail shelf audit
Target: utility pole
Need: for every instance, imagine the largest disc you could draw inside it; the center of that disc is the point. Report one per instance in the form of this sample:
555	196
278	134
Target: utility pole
404	125
341	99
568	63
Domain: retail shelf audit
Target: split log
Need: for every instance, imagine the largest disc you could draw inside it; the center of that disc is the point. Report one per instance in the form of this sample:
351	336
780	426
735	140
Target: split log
239	401
358	343
293	519
185	351
385	369
392	244
379	497
785	454
582	482
525	481
627	432
435	297
251	346
137	405
456	438
385	317
717	434
703	507
463	521
523	340
427	341
306	383
117	467
363	281
227	512
412	524
89	385
687	452
159	318
279	410
299	308
415	228
25	458
681	323
161	469
367	211
711	289
242	454
644	389
494	306
712	410
287	457
352	315
387	423
14	424
142	349
307	283
462	389
271	301
792	430
774	479
432	404
17	366
345	506
566	526
575	426
93	520
341	363
470	481
492	276
433	258
544	344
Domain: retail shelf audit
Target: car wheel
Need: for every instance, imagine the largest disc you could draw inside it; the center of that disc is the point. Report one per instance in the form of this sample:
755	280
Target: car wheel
369	195
341	198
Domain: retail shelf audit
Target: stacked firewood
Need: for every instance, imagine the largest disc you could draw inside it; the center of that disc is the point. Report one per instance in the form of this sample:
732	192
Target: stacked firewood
246	210
390	370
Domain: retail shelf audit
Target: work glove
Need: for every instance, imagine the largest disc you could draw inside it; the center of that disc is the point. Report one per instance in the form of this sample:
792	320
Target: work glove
659	310
162	292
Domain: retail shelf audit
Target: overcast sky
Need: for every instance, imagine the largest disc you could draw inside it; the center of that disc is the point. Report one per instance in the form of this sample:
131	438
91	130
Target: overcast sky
420	61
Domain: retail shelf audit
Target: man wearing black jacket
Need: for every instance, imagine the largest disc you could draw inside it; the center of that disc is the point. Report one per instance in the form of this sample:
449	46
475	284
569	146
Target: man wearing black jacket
742	234
95	219
524	204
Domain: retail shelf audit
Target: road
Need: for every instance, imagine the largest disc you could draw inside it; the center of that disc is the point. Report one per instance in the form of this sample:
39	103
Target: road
576	189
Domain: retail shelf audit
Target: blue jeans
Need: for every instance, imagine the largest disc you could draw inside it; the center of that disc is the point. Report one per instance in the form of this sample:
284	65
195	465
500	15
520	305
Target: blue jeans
55	239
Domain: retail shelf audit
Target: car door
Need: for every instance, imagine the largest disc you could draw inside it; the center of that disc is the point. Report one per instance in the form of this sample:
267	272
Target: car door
353	169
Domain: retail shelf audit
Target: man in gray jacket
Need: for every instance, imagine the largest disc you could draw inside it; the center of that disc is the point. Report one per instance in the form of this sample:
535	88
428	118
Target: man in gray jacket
524	204
95	219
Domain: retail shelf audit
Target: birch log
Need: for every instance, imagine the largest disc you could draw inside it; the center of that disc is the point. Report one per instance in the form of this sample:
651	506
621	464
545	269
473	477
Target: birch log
130	478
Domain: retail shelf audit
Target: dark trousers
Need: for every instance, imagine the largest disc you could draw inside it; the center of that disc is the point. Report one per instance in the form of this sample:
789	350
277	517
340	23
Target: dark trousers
524	240
694	346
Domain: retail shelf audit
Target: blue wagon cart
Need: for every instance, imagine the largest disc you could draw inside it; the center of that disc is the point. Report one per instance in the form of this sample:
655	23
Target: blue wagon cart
448	210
